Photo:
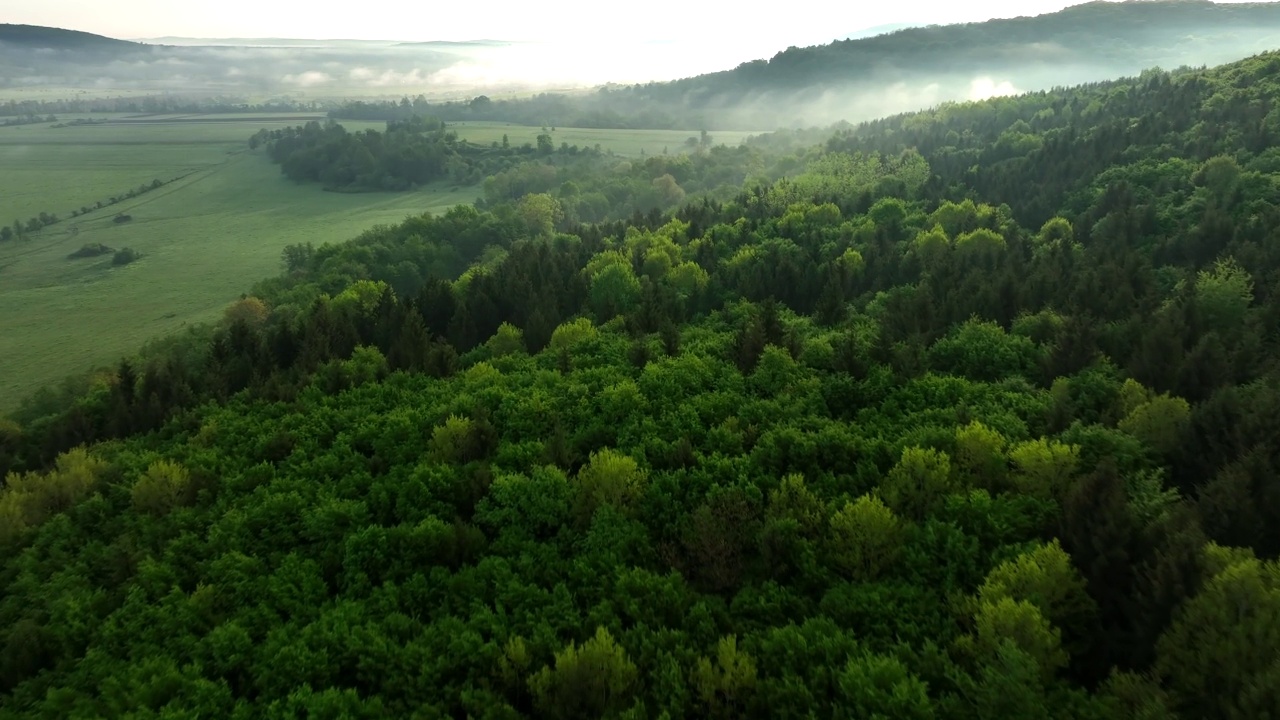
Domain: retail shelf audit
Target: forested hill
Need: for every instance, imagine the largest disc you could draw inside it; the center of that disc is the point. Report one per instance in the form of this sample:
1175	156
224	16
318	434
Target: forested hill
890	438
33	37
1127	36
910	69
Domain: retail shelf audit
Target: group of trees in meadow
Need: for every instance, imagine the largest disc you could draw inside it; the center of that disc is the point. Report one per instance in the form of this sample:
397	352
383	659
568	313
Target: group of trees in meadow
883	439
27	120
21	231
411	152
169	102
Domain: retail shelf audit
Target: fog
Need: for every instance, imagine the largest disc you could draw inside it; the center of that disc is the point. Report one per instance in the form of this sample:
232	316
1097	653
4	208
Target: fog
356	69
304	70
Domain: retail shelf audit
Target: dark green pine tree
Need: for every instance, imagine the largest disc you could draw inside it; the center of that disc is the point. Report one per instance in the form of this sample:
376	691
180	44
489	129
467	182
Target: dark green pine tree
410	348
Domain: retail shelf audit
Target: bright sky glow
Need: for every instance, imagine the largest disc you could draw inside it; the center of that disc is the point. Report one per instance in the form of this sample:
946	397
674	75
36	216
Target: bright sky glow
576	42
772	25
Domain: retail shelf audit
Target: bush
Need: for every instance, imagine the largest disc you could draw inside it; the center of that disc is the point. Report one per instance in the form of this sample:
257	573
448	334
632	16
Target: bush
124	256
90	250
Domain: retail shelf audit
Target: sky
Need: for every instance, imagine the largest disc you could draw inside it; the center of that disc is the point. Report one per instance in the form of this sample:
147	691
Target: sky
659	40
776	25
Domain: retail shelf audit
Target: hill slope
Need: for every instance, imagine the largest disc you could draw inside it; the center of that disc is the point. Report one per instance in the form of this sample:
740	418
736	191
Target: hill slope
34	36
861	439
911	69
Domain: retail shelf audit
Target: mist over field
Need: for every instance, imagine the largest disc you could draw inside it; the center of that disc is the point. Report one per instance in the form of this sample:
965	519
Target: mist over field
851	80
346	68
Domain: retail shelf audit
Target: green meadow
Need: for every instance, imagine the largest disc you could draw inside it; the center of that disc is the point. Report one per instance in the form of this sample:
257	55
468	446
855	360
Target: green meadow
204	238
216	226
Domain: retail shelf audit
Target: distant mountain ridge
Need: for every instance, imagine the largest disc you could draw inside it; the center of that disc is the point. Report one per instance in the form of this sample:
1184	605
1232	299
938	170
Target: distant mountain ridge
36	36
912	68
1095	30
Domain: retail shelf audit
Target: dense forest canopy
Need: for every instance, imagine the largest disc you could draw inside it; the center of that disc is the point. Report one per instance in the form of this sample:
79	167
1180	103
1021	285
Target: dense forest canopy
972	415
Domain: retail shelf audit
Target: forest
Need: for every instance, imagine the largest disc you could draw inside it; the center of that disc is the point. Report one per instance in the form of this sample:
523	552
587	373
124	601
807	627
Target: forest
967	413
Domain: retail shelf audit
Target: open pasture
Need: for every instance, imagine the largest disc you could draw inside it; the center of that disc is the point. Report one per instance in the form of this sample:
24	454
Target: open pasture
205	238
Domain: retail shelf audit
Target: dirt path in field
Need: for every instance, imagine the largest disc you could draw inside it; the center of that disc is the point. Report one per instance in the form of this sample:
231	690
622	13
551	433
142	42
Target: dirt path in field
62	233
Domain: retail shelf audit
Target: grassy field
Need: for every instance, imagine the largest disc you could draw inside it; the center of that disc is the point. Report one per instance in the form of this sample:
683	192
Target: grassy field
205	237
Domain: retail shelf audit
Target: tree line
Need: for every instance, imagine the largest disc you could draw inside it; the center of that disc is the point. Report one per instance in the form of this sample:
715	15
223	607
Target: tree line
411	152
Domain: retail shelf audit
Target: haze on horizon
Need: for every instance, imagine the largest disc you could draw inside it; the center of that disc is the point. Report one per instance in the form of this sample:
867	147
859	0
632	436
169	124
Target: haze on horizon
806	22
572	45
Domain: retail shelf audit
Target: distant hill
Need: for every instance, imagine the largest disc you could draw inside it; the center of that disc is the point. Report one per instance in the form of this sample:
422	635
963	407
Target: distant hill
35	36
876	30
457	43
304	43
914	68
1135	34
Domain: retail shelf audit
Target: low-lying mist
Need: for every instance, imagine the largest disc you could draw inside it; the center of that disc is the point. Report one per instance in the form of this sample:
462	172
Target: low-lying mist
362	69
619	82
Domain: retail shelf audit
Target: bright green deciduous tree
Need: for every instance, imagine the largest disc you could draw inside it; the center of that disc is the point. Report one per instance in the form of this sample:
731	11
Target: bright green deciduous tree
540	212
1045	578
162	488
878	686
614	290
1223	295
1021	624
609	478
725	684
918	483
1221	656
1044	468
865	538
508	340
980	455
572	332
589	681
1161	423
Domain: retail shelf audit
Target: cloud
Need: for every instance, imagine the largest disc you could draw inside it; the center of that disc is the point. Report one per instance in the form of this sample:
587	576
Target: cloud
310	78
985	87
372	77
